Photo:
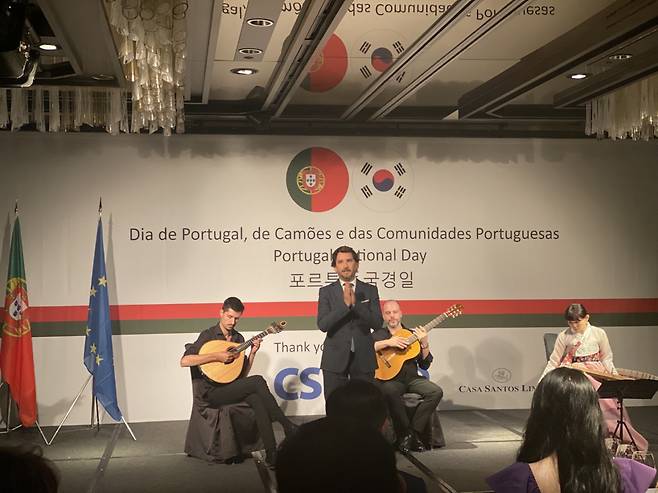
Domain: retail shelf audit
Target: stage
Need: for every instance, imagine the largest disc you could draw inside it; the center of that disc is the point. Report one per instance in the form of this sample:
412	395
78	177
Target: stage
479	442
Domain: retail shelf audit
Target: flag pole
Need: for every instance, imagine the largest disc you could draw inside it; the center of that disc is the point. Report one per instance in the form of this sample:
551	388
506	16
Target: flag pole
128	426
8	428
94	399
8	413
98	419
98	341
70	409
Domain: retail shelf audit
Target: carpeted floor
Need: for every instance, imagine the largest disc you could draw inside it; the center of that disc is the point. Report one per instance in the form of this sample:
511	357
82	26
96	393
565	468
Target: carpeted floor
479	442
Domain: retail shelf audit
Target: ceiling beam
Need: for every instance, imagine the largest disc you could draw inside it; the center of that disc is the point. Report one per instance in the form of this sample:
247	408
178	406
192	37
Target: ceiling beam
315	25
257	36
201	124
49	9
627	72
457	11
621	21
202	24
488	26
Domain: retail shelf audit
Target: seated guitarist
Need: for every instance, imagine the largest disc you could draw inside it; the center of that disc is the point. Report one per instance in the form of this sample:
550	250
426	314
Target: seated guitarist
407	380
250	389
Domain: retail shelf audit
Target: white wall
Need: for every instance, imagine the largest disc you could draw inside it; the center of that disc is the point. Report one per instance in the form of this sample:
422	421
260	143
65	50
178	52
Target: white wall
602	198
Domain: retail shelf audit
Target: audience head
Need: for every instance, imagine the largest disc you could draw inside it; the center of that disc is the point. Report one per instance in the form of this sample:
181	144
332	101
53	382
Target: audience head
359	401
25	469
565	419
336	456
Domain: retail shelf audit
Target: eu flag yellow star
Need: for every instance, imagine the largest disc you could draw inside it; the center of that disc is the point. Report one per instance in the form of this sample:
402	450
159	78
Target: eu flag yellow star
87	331
93	348
102	281
98	359
92	291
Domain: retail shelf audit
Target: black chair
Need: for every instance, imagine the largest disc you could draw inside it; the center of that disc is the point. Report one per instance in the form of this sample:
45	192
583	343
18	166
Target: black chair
549	343
227	434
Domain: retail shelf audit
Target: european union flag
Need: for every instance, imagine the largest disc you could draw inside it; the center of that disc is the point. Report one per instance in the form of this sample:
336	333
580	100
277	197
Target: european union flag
98	342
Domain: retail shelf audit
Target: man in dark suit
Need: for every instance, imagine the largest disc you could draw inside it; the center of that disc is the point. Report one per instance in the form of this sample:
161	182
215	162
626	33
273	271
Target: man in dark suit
347	311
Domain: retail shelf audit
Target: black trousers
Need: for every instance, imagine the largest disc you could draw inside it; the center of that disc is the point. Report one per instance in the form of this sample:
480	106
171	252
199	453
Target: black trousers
254	391
333	380
393	390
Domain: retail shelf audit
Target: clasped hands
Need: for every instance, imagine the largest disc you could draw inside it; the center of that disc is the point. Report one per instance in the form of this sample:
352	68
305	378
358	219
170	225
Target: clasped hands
349	298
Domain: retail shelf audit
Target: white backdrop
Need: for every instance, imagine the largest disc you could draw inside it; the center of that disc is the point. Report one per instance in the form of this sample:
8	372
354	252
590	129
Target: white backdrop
600	198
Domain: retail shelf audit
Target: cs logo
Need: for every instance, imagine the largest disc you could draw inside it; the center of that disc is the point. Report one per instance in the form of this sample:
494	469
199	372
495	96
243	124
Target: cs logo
304	379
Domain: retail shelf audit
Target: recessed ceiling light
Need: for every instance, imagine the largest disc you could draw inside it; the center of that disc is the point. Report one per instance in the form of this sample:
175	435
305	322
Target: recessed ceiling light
578	76
250	51
260	22
102	77
244	71
48	47
620	56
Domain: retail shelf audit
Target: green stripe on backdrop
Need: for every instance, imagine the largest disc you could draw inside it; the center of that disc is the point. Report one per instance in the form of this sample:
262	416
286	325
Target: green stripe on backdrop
52	329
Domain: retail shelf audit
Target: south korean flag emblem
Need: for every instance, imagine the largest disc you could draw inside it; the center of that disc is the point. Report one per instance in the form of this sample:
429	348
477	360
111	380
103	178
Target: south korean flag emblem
376	51
383	188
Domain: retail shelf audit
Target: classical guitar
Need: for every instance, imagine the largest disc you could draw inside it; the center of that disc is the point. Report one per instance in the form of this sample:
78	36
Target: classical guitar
227	372
390	360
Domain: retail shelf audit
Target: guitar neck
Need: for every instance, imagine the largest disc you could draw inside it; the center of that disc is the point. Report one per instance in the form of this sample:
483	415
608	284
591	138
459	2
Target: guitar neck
427	327
241	347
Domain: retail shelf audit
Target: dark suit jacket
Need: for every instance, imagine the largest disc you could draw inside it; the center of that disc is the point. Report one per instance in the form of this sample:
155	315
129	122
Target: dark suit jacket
343	324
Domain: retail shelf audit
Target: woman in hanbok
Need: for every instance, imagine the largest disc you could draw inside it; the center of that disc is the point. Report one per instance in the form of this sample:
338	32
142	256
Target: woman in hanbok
563	449
585	346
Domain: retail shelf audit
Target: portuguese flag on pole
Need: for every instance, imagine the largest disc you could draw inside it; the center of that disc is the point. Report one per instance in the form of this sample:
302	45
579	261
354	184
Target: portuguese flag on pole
16	360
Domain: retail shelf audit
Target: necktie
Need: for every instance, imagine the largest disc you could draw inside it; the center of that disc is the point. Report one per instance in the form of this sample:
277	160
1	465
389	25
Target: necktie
348	298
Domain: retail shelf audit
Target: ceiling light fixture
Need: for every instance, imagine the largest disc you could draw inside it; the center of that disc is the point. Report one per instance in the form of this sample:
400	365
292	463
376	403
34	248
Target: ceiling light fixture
260	22
578	76
620	56
250	51
244	71
48	47
102	77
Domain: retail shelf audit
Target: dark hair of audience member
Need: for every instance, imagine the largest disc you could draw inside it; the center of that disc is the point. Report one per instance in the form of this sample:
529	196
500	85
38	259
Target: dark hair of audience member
575	312
336	456
359	401
26	470
565	419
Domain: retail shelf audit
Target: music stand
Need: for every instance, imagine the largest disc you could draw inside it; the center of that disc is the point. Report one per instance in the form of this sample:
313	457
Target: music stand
630	389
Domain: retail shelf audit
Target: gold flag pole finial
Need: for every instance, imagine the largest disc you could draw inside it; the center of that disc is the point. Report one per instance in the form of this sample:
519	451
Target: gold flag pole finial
100	206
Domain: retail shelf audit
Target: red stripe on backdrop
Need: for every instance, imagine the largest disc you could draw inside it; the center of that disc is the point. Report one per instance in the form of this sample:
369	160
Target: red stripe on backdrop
309	308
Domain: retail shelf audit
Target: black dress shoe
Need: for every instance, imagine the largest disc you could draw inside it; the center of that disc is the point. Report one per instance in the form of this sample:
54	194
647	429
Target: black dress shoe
270	460
410	443
417	445
406	443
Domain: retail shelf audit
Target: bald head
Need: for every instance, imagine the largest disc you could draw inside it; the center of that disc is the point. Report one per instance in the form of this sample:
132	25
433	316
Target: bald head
392	314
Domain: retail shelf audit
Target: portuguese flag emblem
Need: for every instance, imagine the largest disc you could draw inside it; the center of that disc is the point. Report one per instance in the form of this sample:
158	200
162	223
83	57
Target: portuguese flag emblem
317	179
328	69
16	360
